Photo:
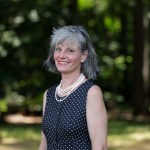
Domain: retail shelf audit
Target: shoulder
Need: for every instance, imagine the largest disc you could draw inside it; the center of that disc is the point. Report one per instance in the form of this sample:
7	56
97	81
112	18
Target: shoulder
51	88
95	102
95	90
95	96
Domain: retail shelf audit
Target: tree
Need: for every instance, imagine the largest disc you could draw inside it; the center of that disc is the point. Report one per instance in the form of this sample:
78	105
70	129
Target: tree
141	60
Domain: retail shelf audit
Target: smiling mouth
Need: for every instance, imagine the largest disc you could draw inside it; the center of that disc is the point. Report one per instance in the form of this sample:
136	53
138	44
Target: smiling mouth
62	62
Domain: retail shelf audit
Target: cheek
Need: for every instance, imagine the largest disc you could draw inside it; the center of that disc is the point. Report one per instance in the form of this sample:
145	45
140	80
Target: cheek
54	56
79	58
76	61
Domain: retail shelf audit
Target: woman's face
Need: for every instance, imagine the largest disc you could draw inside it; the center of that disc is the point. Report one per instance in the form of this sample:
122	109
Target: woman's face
68	57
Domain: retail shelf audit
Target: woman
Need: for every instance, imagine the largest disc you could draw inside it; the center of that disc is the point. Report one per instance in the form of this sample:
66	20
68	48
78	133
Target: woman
74	115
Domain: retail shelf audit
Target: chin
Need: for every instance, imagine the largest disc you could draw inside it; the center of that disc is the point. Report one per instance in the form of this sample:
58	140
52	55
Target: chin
62	71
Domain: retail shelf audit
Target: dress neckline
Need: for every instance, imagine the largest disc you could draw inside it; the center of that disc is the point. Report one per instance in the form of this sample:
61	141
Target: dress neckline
78	88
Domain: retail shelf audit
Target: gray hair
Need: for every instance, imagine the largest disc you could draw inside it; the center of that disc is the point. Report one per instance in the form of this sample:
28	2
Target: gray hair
78	34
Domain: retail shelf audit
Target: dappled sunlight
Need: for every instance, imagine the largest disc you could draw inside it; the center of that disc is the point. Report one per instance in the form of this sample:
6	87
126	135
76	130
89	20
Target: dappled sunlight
117	141
121	143
20	137
122	135
16	144
128	135
132	145
23	119
7	141
140	136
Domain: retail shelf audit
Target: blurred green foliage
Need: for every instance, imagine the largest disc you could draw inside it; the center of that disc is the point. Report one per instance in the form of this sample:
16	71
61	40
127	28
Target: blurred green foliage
25	28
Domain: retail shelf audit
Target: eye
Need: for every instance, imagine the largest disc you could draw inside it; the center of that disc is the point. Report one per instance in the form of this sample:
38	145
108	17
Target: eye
70	51
57	49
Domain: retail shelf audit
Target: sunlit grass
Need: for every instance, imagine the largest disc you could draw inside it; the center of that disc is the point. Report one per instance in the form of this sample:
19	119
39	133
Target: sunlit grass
125	135
122	135
19	137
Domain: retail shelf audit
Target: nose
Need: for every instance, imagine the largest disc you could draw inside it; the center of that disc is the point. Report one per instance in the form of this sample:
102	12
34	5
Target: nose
62	54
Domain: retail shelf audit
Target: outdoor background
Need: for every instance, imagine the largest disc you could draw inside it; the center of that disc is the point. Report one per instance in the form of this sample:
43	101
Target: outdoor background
120	32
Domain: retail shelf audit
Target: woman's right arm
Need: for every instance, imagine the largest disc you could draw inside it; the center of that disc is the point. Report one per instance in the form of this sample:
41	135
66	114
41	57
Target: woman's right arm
43	144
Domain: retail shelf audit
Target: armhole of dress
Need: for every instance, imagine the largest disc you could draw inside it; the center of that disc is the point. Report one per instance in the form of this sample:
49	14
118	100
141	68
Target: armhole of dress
45	98
44	101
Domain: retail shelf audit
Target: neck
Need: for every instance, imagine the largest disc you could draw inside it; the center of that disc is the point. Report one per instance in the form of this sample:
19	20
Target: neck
68	80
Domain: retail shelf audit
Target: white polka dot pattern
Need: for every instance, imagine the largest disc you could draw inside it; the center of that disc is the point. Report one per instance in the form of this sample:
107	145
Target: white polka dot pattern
64	123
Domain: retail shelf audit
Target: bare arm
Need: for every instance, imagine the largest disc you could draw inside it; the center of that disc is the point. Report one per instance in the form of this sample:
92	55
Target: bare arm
97	119
43	144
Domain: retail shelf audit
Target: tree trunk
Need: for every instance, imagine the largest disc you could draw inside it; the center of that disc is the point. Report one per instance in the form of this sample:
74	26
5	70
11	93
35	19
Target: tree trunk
146	65
141	61
124	49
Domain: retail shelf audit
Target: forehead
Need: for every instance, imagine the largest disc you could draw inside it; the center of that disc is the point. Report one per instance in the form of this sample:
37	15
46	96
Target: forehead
69	43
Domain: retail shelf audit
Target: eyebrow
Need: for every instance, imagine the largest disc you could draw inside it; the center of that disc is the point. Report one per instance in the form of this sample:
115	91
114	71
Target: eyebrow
67	46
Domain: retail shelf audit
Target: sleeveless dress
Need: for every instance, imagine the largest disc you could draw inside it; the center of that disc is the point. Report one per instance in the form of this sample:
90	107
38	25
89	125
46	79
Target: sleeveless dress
64	123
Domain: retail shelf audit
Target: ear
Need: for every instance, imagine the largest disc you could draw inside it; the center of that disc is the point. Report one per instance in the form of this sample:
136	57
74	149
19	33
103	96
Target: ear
84	56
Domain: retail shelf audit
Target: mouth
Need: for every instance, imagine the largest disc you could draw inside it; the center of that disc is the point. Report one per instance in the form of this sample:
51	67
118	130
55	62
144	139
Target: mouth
62	62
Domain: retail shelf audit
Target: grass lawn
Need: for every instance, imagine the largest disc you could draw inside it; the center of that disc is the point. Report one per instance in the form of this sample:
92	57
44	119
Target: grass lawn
122	135
128	135
19	137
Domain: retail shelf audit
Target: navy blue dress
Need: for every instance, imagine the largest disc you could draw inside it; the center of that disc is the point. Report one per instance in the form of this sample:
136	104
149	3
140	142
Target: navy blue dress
64	123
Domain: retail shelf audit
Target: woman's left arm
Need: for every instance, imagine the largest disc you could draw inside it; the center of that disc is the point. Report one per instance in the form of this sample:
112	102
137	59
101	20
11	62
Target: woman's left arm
96	118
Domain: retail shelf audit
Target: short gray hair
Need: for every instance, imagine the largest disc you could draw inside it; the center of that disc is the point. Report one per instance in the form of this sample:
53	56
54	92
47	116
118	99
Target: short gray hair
74	33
